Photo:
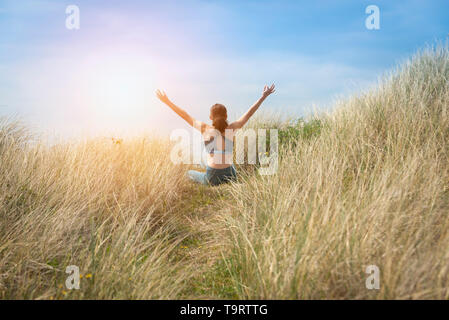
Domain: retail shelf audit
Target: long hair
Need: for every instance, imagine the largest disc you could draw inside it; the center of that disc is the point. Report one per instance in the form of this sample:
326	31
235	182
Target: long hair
219	117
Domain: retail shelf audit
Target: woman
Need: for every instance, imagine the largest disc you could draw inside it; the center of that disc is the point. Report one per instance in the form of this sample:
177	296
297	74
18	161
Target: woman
218	138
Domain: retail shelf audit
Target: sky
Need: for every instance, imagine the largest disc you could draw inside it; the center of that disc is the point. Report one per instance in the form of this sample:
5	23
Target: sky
100	79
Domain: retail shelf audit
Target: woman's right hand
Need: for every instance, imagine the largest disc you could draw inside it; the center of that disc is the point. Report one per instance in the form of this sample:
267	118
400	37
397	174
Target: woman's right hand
268	90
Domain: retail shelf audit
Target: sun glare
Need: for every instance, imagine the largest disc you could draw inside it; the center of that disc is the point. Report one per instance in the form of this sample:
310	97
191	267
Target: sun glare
117	87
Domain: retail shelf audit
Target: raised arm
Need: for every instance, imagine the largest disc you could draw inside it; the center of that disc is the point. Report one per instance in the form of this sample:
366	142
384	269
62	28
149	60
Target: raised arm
248	114
183	114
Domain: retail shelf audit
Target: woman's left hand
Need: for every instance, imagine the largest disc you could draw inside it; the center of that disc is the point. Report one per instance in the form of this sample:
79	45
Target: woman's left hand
162	96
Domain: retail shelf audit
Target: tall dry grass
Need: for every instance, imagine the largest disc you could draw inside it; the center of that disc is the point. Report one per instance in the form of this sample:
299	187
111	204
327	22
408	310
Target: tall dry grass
371	189
366	184
112	209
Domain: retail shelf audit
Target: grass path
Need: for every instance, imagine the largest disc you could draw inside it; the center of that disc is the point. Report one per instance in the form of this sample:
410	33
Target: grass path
204	208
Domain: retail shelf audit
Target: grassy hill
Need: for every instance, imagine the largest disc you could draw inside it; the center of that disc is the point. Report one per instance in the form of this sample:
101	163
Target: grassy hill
367	184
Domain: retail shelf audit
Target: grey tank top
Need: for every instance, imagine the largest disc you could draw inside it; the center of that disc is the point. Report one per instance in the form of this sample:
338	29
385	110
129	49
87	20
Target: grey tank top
211	145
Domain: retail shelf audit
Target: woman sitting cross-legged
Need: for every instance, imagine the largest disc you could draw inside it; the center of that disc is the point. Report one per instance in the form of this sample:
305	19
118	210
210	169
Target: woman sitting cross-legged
218	138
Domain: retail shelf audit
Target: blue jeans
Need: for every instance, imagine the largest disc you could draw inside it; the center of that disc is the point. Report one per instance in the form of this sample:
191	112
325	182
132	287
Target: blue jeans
213	176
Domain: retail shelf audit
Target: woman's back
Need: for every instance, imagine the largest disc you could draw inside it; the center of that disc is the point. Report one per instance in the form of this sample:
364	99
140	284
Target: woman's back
219	147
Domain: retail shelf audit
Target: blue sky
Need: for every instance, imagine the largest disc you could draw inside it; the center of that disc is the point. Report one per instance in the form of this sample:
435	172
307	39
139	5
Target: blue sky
101	78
